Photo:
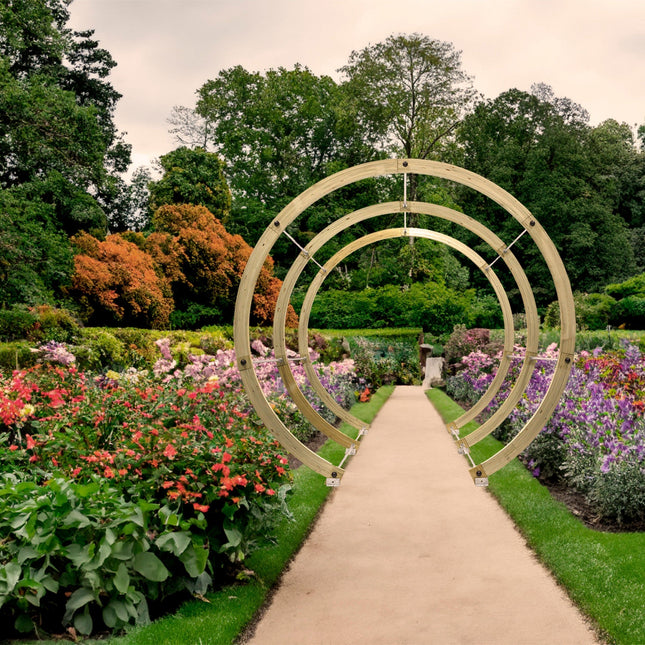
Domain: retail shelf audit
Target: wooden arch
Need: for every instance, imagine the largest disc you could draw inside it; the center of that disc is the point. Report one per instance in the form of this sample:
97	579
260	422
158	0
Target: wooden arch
259	255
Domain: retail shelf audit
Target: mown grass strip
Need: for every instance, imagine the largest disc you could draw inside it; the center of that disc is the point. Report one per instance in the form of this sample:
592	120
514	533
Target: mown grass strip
603	573
223	618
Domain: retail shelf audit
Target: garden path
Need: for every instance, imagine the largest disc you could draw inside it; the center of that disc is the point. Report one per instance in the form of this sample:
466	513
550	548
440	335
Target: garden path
409	552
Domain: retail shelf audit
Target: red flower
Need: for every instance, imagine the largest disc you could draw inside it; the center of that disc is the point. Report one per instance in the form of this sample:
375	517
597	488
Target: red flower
201	507
226	457
170	451
31	444
259	488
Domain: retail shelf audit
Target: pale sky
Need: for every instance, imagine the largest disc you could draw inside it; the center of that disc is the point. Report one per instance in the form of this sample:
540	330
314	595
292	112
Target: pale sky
591	51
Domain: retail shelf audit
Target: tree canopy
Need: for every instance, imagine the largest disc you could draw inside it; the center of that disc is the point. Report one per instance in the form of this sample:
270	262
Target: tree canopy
171	251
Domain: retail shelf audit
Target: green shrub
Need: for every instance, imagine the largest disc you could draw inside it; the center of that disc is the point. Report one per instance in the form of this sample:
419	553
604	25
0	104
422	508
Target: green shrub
84	552
386	363
633	287
100	350
629	313
433	307
57	324
16	323
16	355
194	317
37	324
593	312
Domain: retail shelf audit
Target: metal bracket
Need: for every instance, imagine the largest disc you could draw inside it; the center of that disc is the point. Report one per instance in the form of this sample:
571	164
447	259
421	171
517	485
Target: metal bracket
333	482
482	482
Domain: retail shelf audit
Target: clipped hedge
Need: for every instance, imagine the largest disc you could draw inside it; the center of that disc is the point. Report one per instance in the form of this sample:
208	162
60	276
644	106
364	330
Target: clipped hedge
433	307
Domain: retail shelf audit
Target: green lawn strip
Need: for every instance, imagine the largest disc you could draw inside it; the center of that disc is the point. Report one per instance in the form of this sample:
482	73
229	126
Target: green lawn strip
603	573
221	620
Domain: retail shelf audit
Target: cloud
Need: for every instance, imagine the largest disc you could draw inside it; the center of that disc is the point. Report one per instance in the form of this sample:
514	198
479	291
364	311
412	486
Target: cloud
592	51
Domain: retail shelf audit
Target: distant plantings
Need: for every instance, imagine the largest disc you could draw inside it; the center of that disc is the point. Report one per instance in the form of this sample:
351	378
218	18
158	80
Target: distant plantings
432	306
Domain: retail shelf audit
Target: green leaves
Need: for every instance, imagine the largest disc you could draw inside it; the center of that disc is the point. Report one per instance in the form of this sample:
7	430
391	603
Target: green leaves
150	566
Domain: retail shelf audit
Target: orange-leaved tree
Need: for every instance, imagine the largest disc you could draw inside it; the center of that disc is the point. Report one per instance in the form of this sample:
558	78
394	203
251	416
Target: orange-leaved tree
204	263
117	283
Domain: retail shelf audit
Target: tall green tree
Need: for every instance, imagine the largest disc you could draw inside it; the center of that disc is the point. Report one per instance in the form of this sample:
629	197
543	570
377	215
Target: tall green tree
192	176
542	150
278	133
410	93
60	151
57	103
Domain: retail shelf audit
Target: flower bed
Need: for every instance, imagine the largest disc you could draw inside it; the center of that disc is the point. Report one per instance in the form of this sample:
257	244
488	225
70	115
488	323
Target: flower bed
595	440
121	490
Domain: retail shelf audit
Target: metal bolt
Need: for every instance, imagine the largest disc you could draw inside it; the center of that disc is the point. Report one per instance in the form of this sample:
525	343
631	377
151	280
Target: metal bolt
276	223
243	361
405	164
532	222
478	473
567	360
334	474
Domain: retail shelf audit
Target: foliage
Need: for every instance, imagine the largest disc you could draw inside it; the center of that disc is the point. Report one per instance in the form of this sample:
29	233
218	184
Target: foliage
58	104
386	363
192	177
595	440
278	132
634	286
541	149
409	92
36	257
37	323
116	283
60	150
204	264
629	313
142	490
432	306
594	311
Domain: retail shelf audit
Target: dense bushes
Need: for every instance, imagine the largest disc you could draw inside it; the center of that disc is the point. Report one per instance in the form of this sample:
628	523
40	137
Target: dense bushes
382	362
433	307
622	305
